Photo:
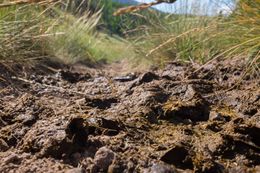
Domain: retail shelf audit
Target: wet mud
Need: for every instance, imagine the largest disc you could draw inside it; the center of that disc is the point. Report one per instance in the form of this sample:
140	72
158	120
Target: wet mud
182	118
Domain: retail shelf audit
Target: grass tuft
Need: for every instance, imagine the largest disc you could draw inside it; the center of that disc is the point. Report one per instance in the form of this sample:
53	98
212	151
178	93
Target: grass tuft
64	31
201	38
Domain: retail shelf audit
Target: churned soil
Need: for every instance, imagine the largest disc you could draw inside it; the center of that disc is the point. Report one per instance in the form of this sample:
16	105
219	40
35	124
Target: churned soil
183	118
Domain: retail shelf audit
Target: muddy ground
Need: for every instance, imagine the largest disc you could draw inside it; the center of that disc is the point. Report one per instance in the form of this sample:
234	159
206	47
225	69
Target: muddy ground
183	118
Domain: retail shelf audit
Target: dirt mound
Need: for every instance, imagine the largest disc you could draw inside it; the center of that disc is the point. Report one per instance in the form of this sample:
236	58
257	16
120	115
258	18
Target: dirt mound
178	119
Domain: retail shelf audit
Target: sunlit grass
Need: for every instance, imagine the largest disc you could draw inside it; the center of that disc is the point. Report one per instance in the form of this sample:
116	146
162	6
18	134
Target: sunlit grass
199	38
63	31
20	32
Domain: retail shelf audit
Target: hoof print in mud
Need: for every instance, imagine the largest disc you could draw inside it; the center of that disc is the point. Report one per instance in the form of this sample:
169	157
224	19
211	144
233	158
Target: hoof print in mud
77	131
194	110
253	134
178	156
103	126
111	127
240	149
101	103
52	139
75	140
191	106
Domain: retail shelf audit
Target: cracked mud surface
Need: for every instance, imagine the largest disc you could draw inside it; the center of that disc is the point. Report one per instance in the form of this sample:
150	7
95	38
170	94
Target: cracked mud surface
177	119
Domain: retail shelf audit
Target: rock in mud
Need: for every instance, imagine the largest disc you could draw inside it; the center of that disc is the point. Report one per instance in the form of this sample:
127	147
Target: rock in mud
76	170
103	159
126	78
161	168
27	119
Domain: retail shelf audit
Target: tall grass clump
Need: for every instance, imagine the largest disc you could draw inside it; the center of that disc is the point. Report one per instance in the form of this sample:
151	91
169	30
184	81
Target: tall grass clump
52	30
21	31
186	35
64	31
78	39
75	28
185	38
244	31
199	36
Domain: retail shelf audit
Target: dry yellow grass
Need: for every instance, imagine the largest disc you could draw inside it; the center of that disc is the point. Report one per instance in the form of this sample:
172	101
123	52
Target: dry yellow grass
139	7
22	2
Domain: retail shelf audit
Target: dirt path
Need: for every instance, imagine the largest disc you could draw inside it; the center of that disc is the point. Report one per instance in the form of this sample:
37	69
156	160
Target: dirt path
171	120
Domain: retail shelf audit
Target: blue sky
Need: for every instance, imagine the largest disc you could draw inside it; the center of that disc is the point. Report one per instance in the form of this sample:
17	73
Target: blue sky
210	7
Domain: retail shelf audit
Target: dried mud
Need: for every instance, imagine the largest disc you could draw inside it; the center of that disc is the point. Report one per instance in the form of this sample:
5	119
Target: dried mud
176	119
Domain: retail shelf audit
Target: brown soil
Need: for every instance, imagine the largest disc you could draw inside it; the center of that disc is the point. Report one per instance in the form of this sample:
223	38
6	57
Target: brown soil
179	119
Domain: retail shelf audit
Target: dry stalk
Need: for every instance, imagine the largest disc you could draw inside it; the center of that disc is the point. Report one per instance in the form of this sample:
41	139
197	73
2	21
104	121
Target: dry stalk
21	2
139	7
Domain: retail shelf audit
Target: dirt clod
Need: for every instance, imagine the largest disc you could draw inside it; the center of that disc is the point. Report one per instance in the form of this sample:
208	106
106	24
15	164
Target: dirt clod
103	158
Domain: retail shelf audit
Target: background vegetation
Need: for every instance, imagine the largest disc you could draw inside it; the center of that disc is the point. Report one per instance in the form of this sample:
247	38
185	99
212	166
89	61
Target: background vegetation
73	31
65	31
199	38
